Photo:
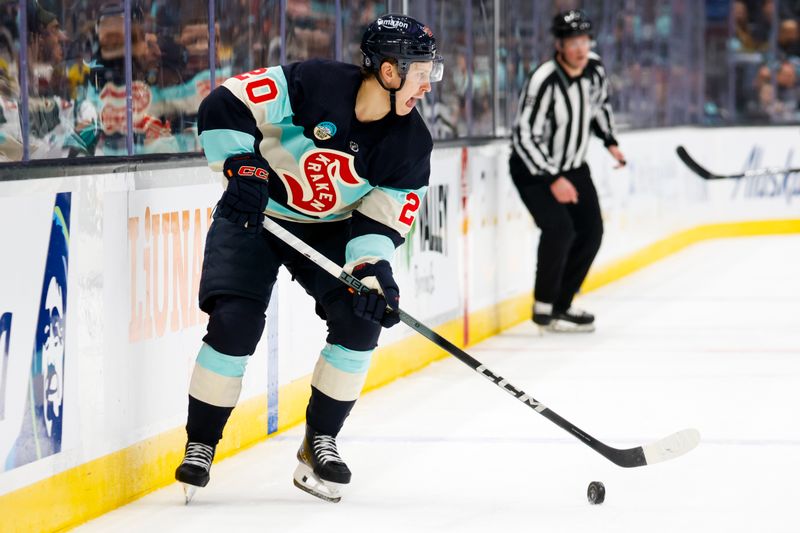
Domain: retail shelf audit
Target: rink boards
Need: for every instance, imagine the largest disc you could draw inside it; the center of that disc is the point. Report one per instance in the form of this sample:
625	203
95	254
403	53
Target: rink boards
98	281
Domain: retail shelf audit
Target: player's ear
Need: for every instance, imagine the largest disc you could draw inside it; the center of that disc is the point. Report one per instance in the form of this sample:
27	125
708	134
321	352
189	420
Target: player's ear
389	73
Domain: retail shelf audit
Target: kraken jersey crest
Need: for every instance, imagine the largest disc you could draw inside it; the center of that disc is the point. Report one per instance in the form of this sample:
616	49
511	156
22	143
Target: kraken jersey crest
318	191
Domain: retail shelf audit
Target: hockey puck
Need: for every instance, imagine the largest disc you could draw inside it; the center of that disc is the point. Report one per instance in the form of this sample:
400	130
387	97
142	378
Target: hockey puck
596	492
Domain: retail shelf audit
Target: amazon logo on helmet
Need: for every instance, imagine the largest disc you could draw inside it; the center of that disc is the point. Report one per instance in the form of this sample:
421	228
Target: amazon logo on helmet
403	39
571	23
393	23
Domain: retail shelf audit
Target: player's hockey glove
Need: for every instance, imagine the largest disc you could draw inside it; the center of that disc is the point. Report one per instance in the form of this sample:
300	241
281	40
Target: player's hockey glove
383	291
246	196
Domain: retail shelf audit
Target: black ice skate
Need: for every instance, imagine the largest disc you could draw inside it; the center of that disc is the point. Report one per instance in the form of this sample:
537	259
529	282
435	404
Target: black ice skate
321	471
193	472
572	320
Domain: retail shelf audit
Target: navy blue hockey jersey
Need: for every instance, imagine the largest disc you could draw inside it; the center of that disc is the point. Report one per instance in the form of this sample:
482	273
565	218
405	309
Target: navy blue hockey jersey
326	165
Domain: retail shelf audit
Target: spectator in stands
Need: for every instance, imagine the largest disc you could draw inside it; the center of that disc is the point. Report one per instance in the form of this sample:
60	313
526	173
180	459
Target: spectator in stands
768	106
758	101
789	9
458	85
50	109
180	101
744	29
107	90
9	86
789	37
787	92
10	145
310	32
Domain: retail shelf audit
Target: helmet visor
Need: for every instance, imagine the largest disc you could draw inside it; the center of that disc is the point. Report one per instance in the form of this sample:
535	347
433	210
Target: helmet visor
426	71
437	72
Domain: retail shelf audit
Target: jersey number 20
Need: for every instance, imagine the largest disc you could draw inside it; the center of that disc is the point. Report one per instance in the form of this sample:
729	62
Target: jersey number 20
267	89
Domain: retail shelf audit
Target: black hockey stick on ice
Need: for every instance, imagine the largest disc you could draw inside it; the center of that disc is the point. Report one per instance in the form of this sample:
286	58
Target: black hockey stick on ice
704	173
669	447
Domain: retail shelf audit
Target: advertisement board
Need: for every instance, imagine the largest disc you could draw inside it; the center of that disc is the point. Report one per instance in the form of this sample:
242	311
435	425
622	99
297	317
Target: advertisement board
33	319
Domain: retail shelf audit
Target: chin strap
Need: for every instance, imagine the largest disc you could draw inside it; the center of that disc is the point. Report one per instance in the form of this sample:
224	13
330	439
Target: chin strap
392	92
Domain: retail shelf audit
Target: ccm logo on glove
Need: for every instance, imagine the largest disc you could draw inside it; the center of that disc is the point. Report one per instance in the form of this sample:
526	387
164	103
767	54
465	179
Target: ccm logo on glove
247	193
250	171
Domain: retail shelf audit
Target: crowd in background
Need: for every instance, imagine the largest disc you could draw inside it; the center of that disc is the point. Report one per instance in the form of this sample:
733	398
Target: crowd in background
77	93
670	62
765	45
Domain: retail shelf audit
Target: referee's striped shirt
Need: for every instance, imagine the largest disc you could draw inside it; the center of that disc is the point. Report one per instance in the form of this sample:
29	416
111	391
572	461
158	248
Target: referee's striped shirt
556	114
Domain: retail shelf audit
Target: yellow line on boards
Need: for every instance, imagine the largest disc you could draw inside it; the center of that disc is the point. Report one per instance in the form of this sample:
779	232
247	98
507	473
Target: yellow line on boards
605	274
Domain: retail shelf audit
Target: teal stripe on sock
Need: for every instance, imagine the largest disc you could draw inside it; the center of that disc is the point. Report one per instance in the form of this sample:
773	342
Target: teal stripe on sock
351	361
231	366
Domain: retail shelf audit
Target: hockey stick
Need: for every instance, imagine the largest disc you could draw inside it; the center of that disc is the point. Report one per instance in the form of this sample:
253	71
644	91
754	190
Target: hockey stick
704	173
667	448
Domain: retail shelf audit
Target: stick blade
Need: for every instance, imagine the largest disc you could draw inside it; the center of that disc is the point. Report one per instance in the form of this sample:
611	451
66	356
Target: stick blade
671	446
692	164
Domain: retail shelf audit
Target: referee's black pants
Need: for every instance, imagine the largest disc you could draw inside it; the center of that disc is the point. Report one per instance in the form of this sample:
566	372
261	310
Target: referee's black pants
571	234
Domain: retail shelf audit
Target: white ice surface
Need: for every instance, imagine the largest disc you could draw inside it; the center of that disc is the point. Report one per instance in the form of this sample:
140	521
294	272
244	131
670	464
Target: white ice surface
708	338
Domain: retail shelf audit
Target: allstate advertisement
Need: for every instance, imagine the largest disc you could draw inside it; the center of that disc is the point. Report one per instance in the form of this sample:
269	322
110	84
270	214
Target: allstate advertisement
656	195
33	315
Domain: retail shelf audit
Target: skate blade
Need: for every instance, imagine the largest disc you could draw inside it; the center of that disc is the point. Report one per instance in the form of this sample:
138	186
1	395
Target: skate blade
306	480
564	326
188	492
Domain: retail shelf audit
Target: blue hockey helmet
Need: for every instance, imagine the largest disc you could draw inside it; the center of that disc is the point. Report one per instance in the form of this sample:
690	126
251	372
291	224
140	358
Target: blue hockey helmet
403	39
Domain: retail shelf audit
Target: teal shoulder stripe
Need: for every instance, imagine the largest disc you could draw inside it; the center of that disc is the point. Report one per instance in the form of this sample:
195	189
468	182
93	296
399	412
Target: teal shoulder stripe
350	361
368	245
400	194
225	365
219	145
294	141
281	108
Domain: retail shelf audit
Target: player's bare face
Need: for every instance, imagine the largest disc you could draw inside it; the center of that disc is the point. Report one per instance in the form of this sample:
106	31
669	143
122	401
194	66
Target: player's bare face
575	51
418	82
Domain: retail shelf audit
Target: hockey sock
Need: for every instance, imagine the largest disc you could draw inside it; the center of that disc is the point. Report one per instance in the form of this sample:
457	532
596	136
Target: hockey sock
213	392
337	381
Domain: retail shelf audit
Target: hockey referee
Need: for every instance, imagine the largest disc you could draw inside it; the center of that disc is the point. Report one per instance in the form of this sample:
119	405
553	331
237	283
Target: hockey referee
564	100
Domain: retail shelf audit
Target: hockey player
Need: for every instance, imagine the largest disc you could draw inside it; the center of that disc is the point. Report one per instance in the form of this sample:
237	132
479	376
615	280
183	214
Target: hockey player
564	100
339	156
